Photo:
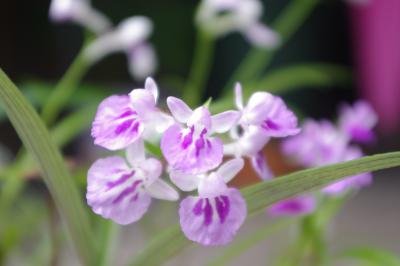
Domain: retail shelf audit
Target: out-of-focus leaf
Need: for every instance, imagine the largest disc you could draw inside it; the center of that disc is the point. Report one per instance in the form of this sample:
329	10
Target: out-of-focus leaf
38	142
287	23
289	78
372	255
262	195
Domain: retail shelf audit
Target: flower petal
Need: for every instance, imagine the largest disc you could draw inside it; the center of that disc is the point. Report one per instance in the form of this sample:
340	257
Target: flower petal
152	168
201	117
223	122
135	152
179	109
188	154
143	102
260	165
116	124
114	192
161	190
142	61
184	182
151	86
230	169
262	36
238	96
299	205
213	221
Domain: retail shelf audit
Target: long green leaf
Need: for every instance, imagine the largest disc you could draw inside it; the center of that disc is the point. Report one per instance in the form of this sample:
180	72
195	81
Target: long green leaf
372	255
37	140
262	195
288	22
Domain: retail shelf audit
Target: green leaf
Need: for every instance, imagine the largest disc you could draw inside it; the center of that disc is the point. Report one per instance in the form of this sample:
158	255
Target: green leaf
37	141
290	78
287	23
262	195
372	255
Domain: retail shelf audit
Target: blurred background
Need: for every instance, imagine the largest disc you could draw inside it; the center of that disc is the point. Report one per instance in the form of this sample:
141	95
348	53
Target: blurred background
363	38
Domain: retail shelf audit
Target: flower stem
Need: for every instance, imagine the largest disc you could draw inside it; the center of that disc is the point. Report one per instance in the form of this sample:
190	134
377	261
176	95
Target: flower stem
200	69
65	87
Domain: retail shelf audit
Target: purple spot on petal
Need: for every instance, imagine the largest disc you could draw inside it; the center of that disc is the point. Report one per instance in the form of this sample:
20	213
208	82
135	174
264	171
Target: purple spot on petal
123	127
223	206
208	213
127	191
188	138
135	127
120	180
127	113
269	124
197	209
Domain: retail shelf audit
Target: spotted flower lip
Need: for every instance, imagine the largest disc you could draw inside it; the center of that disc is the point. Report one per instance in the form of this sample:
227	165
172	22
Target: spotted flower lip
358	121
267	112
192	149
123	119
122	191
214	216
238	15
80	12
130	36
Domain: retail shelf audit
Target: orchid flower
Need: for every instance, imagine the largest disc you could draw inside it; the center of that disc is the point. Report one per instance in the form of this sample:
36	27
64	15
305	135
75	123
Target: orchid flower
215	215
191	148
263	117
130	36
220	17
358	121
80	12
239	15
122	191
123	119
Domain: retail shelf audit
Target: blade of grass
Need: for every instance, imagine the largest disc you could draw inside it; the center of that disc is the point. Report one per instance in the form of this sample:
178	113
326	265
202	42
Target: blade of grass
37	140
262	195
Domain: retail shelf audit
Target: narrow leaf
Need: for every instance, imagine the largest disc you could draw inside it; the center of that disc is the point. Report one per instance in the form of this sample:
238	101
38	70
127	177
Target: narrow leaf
262	195
37	140
372	255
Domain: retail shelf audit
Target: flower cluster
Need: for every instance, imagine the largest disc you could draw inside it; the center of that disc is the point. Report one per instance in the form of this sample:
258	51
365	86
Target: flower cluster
191	143
130	36
322	143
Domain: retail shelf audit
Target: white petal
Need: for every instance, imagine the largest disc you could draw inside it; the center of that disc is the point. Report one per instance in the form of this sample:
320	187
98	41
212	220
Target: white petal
238	96
135	152
223	122
262	36
151	86
142	61
179	109
184	182
161	190
230	169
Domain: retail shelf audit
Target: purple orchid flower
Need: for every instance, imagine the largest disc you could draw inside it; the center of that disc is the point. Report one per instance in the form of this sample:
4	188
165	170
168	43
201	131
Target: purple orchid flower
191	149
358	121
214	216
123	119
122	191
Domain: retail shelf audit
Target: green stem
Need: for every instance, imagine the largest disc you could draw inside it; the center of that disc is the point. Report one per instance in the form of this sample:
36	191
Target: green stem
65	88
288	22
109	232
200	69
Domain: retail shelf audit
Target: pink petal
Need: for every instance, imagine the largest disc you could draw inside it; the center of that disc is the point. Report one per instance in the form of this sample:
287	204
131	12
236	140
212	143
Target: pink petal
143	102
238	96
114	192
259	164
151	86
201	117
230	169
142	61
213	221
179	109
299	205
161	190
188	154
116	124
262	36
184	182
223	122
